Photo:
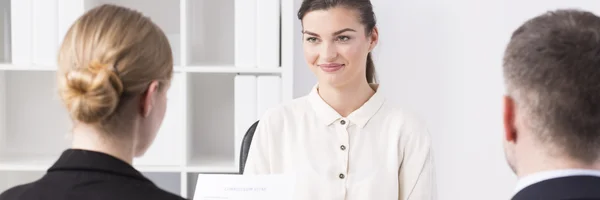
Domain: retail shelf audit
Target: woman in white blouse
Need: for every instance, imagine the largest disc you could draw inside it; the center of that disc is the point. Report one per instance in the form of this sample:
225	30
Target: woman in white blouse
343	140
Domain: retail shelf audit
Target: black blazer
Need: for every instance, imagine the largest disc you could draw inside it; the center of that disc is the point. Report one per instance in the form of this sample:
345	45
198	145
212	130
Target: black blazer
88	175
566	188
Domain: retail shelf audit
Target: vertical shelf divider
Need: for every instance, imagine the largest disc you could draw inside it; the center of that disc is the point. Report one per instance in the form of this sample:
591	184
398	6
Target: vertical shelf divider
183	53
68	12
5	31
184	184
246	56
288	35
3	128
245	33
268	93
21	31
184	47
5	41
184	60
245	97
267	32
45	32
184	143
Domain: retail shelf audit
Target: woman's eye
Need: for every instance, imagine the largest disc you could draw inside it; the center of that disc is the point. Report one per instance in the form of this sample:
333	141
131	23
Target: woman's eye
311	39
343	38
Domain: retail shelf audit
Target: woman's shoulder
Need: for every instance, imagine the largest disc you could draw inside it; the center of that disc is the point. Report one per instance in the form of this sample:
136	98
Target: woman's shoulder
407	120
400	112
292	108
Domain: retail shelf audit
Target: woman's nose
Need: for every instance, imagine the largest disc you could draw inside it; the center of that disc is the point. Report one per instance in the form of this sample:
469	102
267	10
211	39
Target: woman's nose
328	52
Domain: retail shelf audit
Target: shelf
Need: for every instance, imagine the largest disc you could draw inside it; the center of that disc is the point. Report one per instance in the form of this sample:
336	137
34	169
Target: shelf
51	133
210	26
158	169
42	163
14	178
211	128
191	187
212	164
27	163
166	149
35	120
34	68
190	69
170	182
232	69
165	14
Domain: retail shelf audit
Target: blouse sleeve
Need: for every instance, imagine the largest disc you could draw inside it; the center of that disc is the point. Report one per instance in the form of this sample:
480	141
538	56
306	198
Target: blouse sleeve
258	161
416	173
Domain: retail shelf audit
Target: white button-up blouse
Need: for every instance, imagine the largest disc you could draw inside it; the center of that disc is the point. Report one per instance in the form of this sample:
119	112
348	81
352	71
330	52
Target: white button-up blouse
378	152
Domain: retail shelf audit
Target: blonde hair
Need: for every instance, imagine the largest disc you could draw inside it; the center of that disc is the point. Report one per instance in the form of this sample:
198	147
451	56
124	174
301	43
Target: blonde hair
109	55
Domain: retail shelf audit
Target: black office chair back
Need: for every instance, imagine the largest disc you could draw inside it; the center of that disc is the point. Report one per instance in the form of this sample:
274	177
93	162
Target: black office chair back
246	146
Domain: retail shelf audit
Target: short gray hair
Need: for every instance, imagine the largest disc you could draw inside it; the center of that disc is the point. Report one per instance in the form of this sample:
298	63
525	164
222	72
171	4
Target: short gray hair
552	70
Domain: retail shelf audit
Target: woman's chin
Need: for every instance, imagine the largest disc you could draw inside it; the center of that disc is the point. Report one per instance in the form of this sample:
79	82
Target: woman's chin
333	81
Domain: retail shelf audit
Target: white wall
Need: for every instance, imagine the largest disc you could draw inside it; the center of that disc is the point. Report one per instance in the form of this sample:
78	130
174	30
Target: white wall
442	59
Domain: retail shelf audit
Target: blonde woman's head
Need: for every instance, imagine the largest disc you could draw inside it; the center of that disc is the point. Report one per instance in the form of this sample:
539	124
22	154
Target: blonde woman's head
115	66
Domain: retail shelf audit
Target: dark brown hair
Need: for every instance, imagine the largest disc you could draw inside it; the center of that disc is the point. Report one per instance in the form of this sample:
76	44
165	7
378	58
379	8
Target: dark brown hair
367	18
552	70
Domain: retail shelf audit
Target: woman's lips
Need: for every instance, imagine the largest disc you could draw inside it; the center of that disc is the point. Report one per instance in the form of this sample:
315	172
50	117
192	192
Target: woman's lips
331	67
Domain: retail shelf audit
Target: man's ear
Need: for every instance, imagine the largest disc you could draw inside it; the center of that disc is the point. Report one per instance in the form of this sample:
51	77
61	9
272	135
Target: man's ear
374	38
148	100
510	130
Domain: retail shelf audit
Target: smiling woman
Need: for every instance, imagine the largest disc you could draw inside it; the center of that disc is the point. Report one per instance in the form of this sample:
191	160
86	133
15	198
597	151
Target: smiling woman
356	39
343	140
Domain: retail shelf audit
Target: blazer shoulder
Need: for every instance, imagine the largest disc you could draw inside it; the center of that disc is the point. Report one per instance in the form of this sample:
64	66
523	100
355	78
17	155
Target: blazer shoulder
131	191
570	187
16	192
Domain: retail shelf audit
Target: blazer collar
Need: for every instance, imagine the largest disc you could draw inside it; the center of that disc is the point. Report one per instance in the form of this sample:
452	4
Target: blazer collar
84	160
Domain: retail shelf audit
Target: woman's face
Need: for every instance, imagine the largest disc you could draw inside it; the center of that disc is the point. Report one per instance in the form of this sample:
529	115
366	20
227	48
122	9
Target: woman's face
336	46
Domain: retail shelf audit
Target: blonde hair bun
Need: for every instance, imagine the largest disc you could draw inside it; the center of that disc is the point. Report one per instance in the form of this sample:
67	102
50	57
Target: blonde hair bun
107	59
93	93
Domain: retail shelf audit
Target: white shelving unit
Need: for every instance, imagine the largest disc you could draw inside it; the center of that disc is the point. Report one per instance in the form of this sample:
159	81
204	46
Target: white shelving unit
231	65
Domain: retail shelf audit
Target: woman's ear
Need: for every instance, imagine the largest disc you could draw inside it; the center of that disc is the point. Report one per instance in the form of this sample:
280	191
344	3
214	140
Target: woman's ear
148	98
374	37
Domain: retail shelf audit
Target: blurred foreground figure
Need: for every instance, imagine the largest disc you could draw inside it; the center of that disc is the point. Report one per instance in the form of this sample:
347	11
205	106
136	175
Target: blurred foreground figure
552	106
115	68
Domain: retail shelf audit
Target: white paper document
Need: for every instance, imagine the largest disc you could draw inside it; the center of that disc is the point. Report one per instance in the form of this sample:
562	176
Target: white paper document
244	187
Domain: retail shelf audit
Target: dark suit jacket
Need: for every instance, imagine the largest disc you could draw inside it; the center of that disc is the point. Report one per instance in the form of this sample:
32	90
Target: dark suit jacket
565	188
88	175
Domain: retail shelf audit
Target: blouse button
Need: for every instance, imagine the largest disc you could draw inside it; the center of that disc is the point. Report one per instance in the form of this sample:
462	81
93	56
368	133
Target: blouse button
343	122
342	176
343	147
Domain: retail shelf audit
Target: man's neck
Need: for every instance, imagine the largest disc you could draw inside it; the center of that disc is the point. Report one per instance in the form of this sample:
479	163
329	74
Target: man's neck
537	163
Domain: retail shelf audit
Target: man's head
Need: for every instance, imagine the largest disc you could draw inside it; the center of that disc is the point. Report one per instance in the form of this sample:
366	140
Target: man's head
552	75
